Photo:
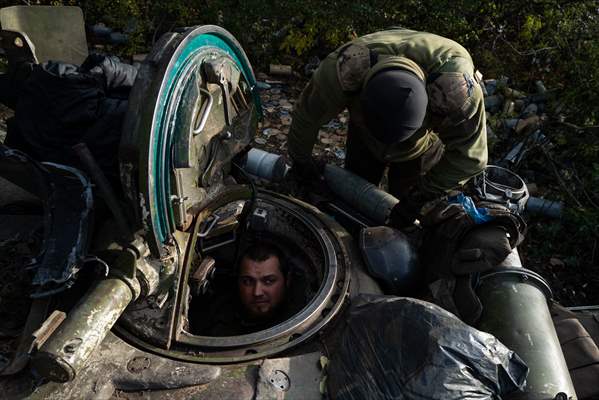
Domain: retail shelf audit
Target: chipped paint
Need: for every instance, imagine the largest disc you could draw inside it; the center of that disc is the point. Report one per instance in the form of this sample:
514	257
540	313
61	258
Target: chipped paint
530	341
145	213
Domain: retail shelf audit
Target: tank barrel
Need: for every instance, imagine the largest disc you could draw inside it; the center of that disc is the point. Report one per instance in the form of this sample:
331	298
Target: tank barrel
68	349
515	310
372	202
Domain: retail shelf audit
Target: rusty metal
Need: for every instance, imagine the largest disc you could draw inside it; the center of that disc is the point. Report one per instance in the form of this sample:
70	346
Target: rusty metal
66	352
42	334
309	227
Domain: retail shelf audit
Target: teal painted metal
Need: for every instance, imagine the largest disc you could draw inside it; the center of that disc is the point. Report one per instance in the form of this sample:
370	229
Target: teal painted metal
162	214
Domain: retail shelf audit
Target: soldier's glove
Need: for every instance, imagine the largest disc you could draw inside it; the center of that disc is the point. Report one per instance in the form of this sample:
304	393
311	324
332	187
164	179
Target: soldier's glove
305	178
482	249
404	214
410	208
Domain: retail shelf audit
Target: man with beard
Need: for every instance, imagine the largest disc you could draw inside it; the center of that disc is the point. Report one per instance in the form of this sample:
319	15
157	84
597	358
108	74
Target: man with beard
262	298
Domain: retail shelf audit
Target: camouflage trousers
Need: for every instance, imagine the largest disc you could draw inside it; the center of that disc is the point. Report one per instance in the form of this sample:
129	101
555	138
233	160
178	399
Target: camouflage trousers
402	176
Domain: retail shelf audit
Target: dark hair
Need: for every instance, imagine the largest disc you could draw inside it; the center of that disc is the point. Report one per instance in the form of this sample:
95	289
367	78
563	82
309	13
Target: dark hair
262	251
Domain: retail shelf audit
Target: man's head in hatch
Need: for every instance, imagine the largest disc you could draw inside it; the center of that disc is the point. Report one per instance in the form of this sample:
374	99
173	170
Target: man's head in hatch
262	281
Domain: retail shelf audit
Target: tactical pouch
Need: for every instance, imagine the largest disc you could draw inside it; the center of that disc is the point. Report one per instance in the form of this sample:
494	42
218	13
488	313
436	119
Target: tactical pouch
458	250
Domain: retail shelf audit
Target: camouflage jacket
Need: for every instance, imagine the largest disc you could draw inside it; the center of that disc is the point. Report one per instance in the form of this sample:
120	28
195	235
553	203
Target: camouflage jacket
455	113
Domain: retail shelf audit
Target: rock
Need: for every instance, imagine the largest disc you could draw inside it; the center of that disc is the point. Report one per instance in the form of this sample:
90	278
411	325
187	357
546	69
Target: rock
513	93
339	153
2	131
286	120
541	89
530	109
491	134
270	132
533	189
508	107
260	140
556	262
278	69
138	57
493	103
529	124
511	123
490	85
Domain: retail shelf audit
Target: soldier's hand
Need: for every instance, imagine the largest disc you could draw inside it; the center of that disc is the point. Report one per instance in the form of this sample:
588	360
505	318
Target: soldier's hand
308	172
305	178
404	214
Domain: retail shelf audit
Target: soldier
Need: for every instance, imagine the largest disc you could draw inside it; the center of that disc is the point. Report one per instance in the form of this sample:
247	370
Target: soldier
261	300
415	106
262	282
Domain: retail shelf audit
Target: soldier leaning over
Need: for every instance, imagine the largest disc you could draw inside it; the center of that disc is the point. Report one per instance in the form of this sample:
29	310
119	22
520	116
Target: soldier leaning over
415	105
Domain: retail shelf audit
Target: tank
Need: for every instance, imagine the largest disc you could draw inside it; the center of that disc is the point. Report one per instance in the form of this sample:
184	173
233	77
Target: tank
130	276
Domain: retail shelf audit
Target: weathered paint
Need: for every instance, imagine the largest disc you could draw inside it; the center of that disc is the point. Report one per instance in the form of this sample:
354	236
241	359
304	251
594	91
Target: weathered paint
515	310
68	349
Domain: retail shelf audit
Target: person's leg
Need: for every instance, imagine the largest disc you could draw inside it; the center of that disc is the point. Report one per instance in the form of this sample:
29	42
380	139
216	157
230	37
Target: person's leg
403	177
359	160
7	95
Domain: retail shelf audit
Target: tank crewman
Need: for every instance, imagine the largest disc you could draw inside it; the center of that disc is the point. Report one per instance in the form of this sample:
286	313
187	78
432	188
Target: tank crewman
415	106
262	298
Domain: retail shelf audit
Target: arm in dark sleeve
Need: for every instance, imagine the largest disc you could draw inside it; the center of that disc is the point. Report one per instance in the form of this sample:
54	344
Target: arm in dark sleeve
465	151
321	100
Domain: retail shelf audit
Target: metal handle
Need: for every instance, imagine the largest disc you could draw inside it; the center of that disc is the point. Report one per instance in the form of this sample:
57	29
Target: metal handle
206	112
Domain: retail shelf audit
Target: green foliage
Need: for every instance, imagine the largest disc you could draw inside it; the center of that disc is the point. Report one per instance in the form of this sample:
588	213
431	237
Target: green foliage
530	29
550	40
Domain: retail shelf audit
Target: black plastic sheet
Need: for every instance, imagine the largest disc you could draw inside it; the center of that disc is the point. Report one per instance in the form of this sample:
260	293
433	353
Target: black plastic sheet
403	348
59	105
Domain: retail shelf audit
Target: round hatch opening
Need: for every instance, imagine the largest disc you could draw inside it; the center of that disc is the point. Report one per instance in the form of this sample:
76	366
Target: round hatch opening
212	325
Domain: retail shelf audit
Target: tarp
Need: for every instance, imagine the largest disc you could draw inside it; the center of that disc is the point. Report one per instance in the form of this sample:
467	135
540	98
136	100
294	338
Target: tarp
402	348
60	105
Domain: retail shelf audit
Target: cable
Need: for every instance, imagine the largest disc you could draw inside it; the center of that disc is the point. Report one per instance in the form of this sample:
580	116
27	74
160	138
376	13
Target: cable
244	218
